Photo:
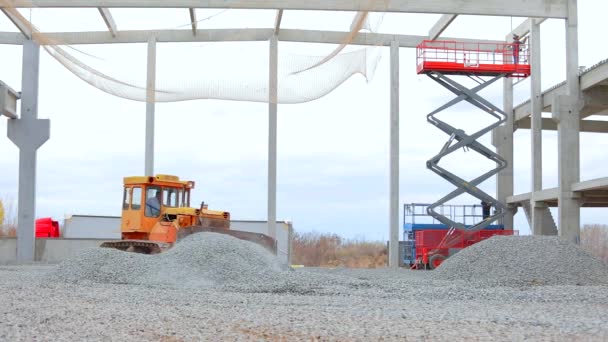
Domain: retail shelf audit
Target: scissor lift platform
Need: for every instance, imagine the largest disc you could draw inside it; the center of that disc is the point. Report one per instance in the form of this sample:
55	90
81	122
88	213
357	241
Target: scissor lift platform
479	59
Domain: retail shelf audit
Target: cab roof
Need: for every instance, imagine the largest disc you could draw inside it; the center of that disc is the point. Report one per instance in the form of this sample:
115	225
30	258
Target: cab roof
167	180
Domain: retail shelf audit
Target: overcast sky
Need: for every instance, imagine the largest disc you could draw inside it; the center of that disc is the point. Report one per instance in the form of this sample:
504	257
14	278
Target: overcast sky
332	154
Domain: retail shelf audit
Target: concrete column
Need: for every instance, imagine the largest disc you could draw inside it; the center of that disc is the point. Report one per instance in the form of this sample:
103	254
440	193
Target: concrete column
536	212
150	106
566	111
272	136
28	133
393	260
503	141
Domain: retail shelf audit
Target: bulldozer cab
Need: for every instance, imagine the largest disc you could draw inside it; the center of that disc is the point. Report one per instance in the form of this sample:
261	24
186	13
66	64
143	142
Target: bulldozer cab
147	199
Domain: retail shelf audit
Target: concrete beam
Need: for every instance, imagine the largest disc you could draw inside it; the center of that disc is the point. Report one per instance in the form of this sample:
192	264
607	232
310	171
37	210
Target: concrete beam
522	8
545	195
277	21
272	135
193	21
394	159
566	111
441	25
589	80
587	126
524	28
502	139
537	211
8	101
14	17
226	35
150	107
593	184
107	18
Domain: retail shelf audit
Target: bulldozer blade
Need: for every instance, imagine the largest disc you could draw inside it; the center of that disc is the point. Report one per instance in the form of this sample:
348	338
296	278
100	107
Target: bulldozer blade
137	246
261	239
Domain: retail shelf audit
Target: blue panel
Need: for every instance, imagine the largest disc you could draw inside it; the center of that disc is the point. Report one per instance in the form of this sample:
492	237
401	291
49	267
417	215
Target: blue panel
428	226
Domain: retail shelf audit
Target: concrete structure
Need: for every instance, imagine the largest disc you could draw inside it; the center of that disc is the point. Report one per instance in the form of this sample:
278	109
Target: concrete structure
566	108
46	250
580	96
28	133
91	227
393	258
150	106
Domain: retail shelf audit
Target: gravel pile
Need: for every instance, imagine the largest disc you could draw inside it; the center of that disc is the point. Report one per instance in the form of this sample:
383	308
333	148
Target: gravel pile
206	260
524	260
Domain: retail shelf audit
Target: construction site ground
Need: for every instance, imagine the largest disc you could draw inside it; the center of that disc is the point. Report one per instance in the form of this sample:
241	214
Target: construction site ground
370	305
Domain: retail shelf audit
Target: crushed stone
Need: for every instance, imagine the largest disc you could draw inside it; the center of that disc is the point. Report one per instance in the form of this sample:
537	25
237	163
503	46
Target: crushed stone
524	260
207	260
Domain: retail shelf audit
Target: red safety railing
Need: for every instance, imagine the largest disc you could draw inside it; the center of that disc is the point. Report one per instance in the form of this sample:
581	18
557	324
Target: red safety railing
489	59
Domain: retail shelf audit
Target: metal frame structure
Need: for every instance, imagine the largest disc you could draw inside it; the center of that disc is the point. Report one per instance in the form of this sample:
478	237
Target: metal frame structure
459	139
29	132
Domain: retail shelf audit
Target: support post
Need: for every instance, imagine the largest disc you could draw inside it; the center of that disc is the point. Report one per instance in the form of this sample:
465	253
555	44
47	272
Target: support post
272	136
536	221
150	106
28	133
394	159
502	139
566	111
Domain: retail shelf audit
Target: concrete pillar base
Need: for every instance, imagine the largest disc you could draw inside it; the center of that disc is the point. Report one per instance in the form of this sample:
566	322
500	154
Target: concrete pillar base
28	135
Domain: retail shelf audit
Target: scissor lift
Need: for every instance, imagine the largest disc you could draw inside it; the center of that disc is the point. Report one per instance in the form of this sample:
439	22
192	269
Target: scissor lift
485	64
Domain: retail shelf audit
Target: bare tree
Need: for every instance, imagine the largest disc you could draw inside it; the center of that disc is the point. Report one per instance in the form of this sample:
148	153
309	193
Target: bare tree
594	239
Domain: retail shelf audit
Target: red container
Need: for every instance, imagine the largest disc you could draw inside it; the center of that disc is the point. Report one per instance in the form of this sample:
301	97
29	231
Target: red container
47	228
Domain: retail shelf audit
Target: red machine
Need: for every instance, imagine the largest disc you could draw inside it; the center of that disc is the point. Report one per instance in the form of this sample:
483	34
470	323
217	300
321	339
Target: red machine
434	246
463	58
47	228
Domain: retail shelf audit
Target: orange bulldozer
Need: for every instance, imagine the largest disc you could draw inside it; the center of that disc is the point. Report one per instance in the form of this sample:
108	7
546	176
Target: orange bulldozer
156	214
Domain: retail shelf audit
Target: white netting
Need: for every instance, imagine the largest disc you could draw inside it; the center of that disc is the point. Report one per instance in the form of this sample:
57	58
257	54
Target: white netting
213	72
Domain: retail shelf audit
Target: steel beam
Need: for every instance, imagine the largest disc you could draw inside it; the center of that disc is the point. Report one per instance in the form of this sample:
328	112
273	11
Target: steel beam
107	18
394	159
522	8
272	136
150	107
441	25
226	35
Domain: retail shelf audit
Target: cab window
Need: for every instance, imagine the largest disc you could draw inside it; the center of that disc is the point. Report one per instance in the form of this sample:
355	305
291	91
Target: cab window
180	197
153	201
126	198
136	201
171	197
